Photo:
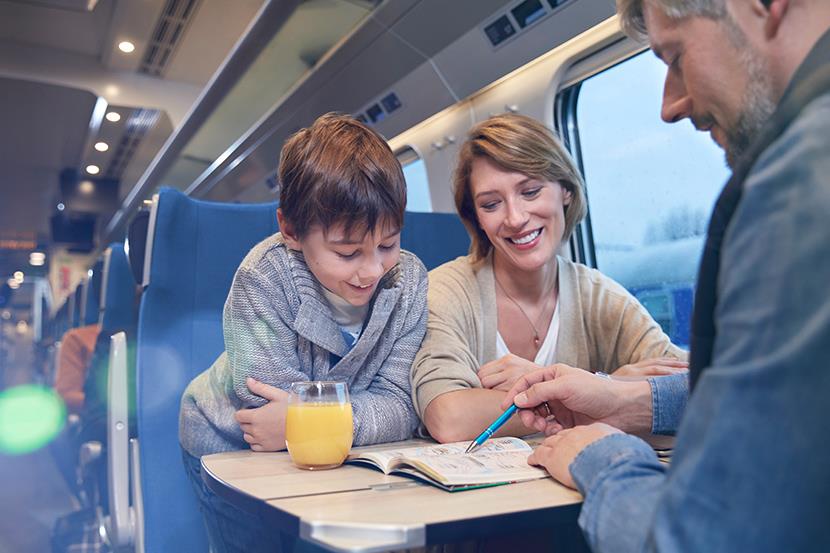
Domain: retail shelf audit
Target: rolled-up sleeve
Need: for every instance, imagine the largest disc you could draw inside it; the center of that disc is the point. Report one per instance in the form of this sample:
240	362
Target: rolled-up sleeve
669	395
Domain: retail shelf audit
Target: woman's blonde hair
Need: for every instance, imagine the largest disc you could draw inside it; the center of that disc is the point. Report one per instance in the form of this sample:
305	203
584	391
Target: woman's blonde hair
524	145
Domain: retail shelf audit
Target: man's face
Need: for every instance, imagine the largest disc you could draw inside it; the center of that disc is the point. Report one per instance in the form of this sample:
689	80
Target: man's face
714	77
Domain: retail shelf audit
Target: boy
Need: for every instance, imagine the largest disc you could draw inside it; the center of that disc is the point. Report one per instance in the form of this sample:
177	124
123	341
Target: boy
330	297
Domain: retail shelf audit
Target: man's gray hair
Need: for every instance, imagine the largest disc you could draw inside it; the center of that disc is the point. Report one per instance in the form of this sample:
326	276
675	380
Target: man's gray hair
634	25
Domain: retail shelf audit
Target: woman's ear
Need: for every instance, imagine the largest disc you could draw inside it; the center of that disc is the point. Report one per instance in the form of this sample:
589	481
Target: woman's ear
567	196
287	230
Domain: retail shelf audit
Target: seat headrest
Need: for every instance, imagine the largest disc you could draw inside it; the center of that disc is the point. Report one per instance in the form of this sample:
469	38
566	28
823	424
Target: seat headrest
137	240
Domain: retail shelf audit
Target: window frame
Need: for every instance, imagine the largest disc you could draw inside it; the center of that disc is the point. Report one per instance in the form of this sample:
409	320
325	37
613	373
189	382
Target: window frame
406	155
582	248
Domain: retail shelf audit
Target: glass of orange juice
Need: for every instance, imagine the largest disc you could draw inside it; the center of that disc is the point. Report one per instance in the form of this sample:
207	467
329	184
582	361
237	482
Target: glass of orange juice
318	424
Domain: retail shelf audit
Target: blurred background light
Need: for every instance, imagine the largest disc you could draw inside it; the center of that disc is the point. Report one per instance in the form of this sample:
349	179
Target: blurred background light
30	417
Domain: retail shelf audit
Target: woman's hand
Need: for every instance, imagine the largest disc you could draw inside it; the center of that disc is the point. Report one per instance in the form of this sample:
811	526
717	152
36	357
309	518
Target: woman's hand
503	373
264	427
659	366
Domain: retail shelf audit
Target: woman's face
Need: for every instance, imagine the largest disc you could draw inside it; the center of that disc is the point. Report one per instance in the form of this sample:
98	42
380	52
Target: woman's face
524	218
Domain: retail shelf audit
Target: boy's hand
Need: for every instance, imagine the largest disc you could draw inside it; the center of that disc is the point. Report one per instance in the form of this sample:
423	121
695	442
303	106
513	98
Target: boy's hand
264	427
503	373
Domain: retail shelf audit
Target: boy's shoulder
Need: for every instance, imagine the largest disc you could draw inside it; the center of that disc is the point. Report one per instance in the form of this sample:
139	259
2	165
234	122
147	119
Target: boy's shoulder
263	255
412	268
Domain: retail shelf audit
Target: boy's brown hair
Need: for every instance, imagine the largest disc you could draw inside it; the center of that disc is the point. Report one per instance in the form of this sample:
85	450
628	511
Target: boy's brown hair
338	170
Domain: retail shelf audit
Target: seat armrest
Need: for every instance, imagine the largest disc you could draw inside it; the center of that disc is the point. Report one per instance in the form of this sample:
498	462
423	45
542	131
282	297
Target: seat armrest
120	523
89	453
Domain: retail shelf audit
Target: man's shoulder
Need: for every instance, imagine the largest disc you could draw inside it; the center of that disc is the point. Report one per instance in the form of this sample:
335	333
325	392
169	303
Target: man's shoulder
803	145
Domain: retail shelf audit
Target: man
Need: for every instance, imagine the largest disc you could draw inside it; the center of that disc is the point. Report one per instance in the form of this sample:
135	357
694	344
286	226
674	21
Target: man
750	468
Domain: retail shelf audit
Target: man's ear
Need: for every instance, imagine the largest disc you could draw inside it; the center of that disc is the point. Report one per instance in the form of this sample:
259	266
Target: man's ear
287	230
774	11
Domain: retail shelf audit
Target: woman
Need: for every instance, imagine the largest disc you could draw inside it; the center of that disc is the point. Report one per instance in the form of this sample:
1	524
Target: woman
513	304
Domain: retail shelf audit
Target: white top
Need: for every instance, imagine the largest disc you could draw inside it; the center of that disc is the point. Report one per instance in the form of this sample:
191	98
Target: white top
348	317
547	352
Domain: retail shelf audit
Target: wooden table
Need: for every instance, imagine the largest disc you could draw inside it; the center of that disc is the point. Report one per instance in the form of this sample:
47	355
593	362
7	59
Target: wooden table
357	509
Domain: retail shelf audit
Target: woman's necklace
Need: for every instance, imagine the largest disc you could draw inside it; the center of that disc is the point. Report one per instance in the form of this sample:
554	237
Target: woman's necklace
536	340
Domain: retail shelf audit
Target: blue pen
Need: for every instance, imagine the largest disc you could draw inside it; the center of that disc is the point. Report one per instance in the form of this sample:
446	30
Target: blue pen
490	430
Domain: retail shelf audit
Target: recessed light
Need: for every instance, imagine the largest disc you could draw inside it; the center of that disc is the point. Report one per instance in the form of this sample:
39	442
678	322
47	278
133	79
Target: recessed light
126	46
13	284
61	207
113	116
86	187
37	259
93	169
102	146
18	276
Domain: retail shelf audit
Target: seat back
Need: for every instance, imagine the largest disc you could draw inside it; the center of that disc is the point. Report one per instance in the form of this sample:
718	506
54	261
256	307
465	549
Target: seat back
194	249
75	302
434	237
118	310
91	295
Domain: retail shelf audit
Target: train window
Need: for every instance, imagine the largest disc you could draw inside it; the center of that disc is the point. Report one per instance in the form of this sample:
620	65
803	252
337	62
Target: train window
651	187
417	185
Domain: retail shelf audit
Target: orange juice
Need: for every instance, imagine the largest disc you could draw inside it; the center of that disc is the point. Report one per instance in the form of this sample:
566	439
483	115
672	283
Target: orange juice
318	435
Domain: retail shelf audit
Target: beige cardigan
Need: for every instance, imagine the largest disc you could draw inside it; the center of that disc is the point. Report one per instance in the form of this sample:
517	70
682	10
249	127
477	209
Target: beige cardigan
601	327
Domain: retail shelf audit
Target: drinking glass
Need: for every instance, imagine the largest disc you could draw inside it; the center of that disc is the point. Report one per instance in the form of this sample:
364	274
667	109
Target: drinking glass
318	424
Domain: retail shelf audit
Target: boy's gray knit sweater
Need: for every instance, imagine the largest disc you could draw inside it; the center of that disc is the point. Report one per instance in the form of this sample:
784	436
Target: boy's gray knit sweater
279	329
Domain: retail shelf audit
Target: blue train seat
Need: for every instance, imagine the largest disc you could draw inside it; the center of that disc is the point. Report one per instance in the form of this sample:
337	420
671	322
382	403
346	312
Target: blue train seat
75	302
193	250
118	309
116	312
91	295
434	237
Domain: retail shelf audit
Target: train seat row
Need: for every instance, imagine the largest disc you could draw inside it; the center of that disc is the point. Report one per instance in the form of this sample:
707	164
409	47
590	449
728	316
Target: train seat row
183	253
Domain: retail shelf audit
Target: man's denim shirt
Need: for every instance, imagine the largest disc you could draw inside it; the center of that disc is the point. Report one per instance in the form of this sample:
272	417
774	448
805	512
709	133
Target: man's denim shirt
751	466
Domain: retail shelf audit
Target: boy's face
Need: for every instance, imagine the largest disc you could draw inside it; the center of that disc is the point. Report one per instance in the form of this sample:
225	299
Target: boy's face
349	265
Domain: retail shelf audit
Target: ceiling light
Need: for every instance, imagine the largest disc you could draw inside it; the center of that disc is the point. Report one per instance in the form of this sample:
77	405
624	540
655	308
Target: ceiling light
61	207
37	259
126	46
13	284
18	276
93	169
102	146
113	116
22	327
86	186
6	315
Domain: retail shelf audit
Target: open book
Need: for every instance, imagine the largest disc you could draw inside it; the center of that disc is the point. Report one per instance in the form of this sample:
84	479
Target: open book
499	461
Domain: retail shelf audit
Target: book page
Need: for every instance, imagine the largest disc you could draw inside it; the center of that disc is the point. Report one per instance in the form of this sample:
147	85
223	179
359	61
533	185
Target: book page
500	460
387	458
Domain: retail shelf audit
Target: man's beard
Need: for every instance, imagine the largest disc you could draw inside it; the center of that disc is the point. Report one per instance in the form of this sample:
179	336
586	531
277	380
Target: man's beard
757	106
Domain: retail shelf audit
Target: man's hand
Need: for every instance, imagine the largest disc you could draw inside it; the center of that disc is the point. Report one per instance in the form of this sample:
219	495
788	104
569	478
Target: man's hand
503	373
658	366
559	397
264	427
557	452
